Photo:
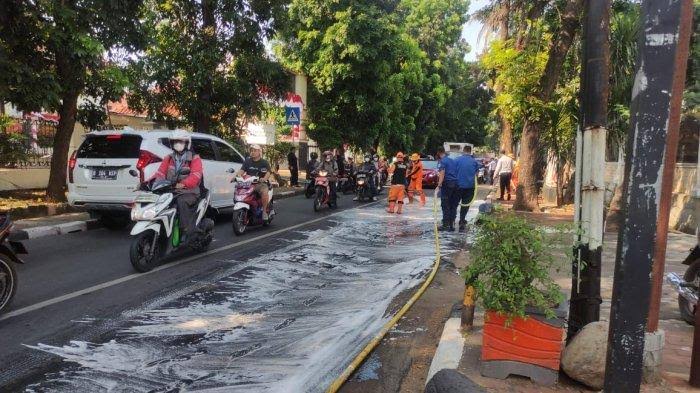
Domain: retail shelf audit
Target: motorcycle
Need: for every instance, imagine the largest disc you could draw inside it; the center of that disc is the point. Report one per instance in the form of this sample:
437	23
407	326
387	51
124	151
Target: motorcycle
688	286
248	210
323	192
9	250
310	190
157	227
346	185
481	176
363	189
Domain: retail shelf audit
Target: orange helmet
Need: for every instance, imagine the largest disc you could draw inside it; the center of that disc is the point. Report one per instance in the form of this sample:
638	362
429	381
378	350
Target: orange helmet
415	157
399	155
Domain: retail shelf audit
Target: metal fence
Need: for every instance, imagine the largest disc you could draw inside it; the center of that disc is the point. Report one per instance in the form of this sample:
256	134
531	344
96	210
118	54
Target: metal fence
27	143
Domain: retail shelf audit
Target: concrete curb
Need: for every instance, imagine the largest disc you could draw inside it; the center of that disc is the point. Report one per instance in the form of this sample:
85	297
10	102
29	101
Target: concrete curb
88	225
449	350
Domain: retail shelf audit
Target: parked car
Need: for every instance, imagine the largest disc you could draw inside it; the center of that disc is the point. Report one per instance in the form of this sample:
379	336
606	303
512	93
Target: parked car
99	178
430	173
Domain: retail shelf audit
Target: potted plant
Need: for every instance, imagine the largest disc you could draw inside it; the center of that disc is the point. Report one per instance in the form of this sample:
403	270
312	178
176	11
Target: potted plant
512	260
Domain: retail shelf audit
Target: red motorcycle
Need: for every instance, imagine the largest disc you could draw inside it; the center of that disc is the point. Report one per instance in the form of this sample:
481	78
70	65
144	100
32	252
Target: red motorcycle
323	192
248	210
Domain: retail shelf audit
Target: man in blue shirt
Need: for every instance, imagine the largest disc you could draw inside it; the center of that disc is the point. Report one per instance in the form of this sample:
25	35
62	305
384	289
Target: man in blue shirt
467	168
447	184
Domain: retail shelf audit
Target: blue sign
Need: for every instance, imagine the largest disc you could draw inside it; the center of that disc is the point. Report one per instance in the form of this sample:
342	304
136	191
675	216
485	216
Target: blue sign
293	115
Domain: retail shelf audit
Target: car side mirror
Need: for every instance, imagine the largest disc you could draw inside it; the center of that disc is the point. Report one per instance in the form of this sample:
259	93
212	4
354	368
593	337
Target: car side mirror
133	173
231	170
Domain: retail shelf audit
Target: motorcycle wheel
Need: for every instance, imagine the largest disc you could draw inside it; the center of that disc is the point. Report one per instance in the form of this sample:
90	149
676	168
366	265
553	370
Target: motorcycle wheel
318	200
142	259
692	274
8	281
239	225
205	238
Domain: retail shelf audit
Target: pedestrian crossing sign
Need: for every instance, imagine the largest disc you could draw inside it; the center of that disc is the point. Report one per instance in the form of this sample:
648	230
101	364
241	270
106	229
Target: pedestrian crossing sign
293	115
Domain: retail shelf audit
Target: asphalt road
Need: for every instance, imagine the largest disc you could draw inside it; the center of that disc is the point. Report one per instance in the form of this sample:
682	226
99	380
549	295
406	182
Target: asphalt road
274	309
59	266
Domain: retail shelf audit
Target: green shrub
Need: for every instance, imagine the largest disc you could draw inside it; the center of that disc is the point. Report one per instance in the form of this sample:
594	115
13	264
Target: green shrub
511	263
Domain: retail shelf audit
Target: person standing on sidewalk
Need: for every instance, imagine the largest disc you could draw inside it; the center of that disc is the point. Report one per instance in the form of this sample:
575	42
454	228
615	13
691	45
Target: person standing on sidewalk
467	167
293	168
492	170
504	173
447	187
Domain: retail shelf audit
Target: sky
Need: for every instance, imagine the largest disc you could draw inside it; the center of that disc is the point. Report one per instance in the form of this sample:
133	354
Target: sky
470	32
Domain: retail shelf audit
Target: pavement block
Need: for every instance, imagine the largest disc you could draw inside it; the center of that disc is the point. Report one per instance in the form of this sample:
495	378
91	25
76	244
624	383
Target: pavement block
33	233
72	227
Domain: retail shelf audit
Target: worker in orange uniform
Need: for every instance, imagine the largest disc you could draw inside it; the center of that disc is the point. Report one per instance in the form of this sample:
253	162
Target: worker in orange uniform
416	178
398	172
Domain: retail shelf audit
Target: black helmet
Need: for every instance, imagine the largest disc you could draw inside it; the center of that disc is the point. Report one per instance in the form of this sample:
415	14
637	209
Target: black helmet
314	155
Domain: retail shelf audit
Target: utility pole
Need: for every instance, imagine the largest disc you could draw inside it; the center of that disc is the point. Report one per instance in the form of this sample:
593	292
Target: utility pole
658	64
590	168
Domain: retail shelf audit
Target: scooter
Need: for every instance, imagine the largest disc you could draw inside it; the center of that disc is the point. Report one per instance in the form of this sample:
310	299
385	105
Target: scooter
323	192
346	185
9	250
364	192
481	176
248	210
688	286
157	227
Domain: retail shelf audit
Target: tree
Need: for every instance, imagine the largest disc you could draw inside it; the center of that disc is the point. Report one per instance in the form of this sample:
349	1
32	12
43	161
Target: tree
51	51
206	61
531	156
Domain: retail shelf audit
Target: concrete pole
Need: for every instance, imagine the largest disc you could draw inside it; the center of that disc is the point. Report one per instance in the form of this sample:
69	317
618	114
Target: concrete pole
586	266
646	146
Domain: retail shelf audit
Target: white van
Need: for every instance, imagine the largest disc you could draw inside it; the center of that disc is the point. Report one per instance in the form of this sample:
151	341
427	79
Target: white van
99	178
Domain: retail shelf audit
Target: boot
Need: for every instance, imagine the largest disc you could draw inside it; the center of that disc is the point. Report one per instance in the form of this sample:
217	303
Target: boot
422	199
508	197
398	210
462	226
390	209
445	227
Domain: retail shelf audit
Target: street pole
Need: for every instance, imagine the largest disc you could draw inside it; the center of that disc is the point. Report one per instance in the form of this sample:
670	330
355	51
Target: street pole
586	265
646	146
657	271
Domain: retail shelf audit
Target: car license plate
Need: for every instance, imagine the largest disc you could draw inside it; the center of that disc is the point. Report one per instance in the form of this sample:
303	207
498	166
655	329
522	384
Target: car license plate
104	174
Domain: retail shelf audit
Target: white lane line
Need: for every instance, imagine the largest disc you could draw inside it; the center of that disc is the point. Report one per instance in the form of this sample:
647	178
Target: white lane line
120	280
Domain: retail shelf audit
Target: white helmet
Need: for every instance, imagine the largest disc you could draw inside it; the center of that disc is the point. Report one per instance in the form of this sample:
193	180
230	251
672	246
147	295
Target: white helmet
181	136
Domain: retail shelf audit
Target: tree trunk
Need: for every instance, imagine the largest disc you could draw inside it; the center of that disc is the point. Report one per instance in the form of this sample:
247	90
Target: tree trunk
202	120
56	190
531	154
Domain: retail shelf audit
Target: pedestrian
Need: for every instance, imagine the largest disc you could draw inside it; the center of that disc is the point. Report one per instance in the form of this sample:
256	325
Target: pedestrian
504	173
492	170
398	172
447	187
416	180
293	168
467	168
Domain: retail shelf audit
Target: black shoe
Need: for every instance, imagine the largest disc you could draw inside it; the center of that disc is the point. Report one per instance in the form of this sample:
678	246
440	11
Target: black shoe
462	226
452	228
508	196
443	228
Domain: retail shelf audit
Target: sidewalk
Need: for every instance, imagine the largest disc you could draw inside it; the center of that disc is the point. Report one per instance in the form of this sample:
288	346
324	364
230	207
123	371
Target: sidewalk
677	349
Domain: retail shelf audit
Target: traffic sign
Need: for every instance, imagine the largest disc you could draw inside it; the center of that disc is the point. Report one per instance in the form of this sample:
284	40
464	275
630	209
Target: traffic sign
293	115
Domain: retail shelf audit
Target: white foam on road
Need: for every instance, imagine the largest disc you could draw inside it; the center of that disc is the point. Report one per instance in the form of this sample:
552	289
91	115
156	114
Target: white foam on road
290	322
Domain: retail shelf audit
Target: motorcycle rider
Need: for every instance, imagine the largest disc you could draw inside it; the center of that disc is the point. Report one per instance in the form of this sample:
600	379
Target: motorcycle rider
330	165
184	168
369	168
255	165
311	165
398	172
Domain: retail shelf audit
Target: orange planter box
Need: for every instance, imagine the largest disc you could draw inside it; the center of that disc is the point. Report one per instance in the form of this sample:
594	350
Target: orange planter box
526	340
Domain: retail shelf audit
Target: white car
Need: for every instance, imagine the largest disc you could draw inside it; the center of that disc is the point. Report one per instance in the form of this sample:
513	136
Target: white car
99	177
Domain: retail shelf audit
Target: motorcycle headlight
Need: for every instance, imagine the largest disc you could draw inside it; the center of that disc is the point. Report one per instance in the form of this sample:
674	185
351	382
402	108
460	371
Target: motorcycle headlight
145	214
360	182
323	173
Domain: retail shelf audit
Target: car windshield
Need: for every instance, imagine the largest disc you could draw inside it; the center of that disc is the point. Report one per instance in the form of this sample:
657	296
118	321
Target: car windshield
110	146
429	164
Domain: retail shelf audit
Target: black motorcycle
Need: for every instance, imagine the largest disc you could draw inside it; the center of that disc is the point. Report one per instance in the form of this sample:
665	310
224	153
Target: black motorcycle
8	258
310	190
364	191
346	184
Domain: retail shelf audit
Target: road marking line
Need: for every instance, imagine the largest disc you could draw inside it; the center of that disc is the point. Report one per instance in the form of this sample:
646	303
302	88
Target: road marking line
120	280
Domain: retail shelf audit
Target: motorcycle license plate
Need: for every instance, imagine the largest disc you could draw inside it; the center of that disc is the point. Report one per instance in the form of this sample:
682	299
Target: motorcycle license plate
104	174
